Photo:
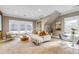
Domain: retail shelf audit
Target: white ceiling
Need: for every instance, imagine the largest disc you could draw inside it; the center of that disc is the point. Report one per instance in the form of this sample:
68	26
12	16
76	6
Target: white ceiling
32	11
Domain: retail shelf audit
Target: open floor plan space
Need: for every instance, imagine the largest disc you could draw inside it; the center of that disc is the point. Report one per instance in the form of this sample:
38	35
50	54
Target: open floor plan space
39	29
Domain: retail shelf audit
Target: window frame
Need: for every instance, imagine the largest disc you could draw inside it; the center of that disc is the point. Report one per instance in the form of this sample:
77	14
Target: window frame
19	22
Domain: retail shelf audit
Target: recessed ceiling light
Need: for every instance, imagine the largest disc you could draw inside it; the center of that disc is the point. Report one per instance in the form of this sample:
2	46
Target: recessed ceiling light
39	10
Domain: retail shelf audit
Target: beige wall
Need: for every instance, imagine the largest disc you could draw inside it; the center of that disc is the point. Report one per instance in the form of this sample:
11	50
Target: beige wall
5	24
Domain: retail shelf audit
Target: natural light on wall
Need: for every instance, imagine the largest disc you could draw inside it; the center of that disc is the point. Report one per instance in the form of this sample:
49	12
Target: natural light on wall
17	26
0	24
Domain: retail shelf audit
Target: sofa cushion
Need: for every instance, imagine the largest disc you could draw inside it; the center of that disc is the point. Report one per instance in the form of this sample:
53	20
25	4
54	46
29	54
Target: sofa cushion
42	33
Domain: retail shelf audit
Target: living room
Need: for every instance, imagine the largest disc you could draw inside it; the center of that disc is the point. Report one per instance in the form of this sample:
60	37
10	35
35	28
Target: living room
28	29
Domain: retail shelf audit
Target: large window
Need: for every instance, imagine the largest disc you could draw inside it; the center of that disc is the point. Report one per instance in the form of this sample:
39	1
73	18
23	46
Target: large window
71	22
13	27
20	26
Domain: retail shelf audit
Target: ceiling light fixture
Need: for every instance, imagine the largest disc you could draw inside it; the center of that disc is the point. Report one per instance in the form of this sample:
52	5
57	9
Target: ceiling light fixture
39	10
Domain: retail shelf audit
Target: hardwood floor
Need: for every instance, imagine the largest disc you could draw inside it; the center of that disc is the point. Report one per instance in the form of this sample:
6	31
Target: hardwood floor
18	47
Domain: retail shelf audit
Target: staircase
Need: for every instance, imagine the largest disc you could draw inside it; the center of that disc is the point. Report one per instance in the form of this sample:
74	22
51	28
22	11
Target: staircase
50	19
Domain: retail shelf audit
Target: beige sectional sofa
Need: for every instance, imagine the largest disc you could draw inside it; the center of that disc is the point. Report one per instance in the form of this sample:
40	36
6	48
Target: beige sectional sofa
40	39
